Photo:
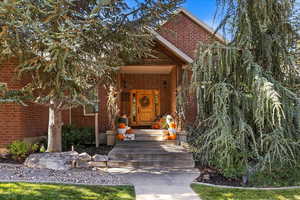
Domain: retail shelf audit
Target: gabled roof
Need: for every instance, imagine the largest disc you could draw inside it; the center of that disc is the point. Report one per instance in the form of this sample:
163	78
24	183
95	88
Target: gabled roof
172	47
176	50
201	23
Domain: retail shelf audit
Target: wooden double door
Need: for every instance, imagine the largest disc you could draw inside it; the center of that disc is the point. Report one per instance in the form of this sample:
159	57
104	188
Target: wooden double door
145	107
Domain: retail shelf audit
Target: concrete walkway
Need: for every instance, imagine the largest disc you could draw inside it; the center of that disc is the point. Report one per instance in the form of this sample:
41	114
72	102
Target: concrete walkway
160	184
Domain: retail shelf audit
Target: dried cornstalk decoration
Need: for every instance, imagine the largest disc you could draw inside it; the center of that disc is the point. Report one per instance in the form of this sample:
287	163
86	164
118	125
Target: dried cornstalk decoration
248	112
113	94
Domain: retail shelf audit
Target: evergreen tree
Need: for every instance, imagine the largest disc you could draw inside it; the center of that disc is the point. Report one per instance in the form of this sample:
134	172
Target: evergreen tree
65	48
248	107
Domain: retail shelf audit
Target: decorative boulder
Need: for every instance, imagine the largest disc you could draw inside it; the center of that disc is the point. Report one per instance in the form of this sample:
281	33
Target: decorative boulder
99	161
84	157
83	160
97	164
55	161
100	158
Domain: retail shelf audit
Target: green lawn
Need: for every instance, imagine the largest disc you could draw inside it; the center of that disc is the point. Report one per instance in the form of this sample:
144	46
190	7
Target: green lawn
212	193
29	191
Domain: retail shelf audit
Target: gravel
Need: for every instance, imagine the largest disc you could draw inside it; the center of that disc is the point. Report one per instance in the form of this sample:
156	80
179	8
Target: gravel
19	173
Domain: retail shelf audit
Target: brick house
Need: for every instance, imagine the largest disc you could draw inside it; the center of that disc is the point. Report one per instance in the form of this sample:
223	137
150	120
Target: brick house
153	83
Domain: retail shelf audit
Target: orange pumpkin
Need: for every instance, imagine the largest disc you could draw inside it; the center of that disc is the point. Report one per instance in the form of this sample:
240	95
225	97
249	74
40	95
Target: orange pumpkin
155	126
173	125
172	137
122	125
120	137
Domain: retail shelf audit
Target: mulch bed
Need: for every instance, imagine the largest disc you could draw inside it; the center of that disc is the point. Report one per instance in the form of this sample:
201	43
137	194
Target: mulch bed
9	160
212	176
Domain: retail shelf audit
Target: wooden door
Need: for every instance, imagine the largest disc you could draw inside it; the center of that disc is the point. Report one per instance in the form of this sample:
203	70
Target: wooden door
145	107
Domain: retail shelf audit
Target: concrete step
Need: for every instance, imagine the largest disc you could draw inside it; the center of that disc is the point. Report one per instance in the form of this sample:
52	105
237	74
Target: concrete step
150	131
150	155
170	163
149	137
150	134
141	144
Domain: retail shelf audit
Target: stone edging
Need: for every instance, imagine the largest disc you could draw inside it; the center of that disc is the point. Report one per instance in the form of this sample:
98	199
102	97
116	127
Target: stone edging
247	188
64	183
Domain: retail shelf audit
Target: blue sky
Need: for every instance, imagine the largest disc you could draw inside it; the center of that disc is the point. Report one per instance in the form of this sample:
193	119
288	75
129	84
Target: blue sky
203	9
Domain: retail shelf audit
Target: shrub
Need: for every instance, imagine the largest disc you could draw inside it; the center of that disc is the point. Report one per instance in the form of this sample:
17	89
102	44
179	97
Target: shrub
277	177
72	135
19	150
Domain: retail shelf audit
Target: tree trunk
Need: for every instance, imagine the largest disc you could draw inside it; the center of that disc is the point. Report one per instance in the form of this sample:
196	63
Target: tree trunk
54	129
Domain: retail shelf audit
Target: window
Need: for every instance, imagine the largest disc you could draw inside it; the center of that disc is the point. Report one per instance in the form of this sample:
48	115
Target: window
93	108
3	87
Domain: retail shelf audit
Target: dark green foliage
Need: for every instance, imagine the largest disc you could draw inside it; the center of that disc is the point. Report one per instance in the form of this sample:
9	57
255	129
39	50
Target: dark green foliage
19	150
72	136
277	177
247	108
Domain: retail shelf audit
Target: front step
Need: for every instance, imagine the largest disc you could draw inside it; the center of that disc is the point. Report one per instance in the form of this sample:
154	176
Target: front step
170	163
149	137
134	144
150	155
150	134
134	154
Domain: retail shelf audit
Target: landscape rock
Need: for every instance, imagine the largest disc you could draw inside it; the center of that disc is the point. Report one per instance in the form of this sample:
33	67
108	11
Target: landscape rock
54	161
206	177
83	160
85	157
98	164
100	158
82	164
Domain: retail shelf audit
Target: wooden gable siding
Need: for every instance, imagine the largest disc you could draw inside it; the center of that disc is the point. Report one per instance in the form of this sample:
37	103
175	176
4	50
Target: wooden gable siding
160	56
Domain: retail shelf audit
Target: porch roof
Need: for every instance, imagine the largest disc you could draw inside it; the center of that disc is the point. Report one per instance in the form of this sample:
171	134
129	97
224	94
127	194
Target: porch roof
147	69
172	47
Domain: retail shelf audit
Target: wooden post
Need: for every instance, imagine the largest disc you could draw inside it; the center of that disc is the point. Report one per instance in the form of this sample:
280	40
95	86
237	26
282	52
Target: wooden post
96	130
70	116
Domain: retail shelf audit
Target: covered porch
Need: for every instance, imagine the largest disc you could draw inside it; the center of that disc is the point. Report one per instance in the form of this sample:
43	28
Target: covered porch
147	92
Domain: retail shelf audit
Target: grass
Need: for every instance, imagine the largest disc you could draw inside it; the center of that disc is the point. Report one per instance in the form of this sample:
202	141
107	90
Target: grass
32	191
213	193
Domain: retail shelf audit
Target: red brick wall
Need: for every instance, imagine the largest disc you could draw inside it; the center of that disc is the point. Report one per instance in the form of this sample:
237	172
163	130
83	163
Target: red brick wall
185	34
17	121
173	79
12	121
80	120
36	117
